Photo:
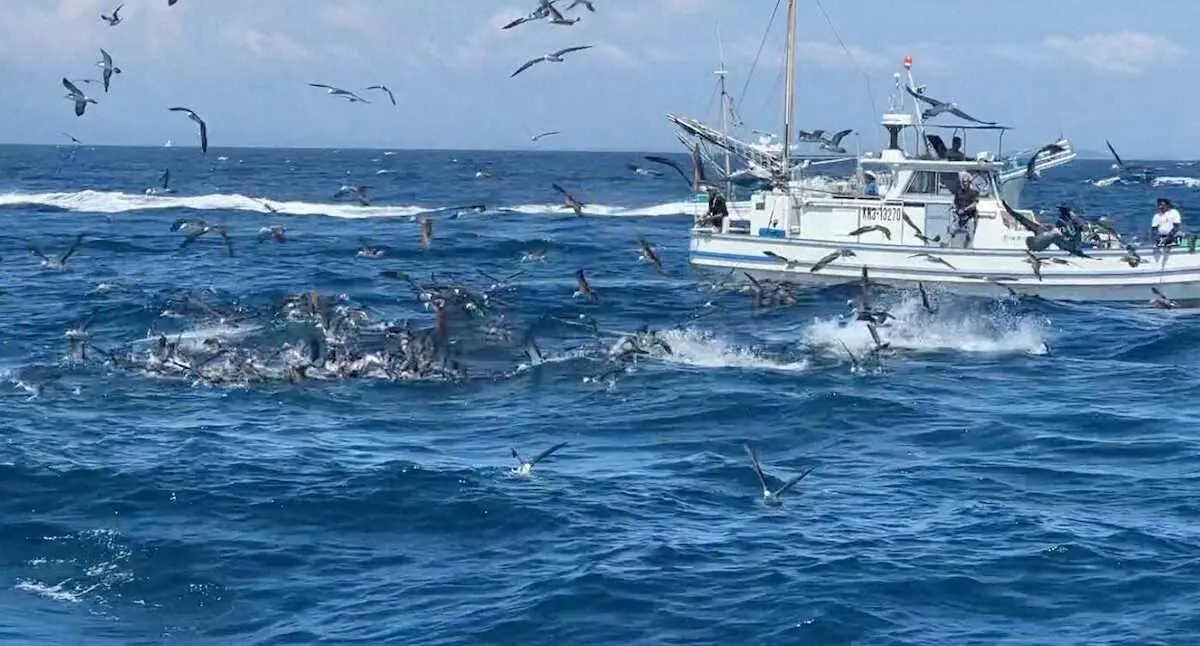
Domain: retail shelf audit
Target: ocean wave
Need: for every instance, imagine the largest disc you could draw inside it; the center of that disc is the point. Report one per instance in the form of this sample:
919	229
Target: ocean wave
115	202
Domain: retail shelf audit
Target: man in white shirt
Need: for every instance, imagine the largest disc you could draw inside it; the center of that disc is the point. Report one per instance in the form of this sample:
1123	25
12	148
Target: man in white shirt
1166	223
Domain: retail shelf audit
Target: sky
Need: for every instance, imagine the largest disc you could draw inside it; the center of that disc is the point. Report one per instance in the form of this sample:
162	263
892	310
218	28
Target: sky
1089	69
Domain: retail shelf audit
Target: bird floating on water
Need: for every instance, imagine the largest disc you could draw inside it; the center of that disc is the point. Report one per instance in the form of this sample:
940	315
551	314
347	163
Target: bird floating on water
771	497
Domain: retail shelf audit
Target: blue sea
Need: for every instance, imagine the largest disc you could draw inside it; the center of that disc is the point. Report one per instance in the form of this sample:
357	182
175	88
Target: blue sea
1012	473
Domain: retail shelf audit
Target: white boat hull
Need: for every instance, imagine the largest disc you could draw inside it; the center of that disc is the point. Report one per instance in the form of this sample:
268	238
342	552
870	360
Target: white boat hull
976	272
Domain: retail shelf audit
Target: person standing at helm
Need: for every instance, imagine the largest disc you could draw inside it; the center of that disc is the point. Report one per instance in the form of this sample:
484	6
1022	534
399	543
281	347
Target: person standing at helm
1166	223
966	204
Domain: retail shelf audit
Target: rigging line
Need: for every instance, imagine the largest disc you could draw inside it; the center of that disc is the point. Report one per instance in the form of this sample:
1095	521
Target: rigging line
866	77
761	45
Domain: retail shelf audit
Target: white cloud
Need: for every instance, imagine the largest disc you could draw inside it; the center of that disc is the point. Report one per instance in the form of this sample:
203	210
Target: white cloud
266	45
1125	52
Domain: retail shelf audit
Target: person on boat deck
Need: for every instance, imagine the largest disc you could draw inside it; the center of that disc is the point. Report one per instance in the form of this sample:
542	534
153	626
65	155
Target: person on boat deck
956	152
717	211
1166	223
871	189
966	203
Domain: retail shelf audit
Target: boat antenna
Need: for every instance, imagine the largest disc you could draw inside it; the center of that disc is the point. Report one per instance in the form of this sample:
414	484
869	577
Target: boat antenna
726	108
789	104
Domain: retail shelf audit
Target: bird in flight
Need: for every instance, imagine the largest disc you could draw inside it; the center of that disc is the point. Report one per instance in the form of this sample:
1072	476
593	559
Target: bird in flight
553	57
203	127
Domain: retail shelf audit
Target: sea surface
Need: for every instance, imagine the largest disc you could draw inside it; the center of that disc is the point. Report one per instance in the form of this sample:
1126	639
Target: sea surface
1013	473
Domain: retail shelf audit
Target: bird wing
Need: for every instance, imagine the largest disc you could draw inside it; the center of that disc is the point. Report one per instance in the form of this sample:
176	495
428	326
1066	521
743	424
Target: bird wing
546	134
516	22
203	136
187	111
527	65
837	137
667	162
959	113
571	49
1114	153
791	483
755	465
107	58
1024	221
565	194
322	85
73	248
921	97
71	87
544	454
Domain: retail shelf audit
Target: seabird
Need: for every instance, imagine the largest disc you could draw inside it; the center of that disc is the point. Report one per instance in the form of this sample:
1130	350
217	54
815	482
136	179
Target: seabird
887	233
917	230
932	258
554	57
569	201
648	254
584	289
586	3
938	107
81	100
925	302
1131	256
274	231
426	232
366	250
545	134
834	143
1161	300
359	191
106	63
823	262
788	262
171	3
644	171
337	91
115	18
199	228
555	17
59	261
163	181
524	467
203	127
541	12
383	88
771	497
73	139
1049	149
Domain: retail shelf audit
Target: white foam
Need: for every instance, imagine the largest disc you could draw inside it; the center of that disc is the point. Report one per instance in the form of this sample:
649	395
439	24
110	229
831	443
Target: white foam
1107	181
913	329
1188	182
110	202
701	349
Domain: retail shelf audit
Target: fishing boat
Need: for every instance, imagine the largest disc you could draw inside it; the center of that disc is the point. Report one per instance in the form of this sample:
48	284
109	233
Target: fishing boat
907	233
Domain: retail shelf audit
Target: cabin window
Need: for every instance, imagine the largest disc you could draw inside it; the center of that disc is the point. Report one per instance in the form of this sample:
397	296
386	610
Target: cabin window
923	182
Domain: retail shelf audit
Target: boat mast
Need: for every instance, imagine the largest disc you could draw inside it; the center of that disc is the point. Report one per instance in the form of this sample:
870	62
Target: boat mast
726	108
789	105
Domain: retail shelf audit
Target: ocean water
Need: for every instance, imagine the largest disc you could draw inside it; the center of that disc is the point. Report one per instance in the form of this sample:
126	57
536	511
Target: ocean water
1013	473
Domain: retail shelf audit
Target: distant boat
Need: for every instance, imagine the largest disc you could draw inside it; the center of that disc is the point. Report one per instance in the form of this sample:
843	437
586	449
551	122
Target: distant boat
168	144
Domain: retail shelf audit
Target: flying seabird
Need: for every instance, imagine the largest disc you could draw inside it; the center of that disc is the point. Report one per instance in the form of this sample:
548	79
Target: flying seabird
360	191
648	254
917	230
938	107
887	233
163	184
203	127
925	302
383	88
771	497
81	100
644	171
525	466
1048	149
834	143
545	134
106	63
569	201
76	141
787	262
171	3
337	91
584	288
840	253
59	261
115	18
199	228
554	57
555	17
586	3
932	258
537	14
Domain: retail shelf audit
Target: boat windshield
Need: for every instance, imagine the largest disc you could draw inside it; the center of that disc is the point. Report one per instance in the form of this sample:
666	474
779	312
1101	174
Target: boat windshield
930	182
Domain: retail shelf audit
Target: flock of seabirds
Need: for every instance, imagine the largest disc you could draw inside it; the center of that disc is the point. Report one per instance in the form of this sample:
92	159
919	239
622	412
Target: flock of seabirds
337	338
